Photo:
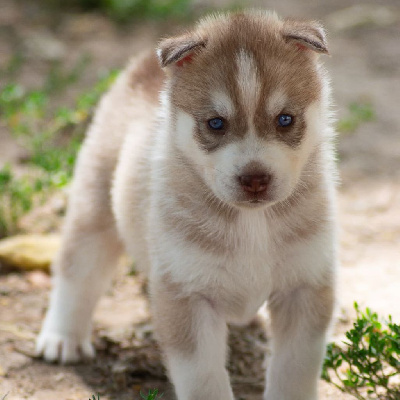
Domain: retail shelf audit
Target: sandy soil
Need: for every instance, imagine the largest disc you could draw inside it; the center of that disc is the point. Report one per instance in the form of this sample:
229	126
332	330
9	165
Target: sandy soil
365	64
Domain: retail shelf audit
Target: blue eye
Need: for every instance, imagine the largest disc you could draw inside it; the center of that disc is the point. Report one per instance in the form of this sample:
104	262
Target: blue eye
216	124
285	120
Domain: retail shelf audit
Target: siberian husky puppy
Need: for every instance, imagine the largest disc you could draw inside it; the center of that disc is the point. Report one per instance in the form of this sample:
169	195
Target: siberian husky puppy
211	163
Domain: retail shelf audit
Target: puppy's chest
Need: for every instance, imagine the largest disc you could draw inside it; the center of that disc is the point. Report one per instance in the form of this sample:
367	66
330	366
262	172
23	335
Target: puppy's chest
230	262
238	280
243	288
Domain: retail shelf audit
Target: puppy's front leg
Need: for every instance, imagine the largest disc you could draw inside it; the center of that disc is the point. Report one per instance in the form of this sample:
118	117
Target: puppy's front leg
193	338
299	322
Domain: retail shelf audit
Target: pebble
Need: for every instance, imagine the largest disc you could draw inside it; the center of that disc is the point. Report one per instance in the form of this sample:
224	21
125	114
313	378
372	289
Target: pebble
29	252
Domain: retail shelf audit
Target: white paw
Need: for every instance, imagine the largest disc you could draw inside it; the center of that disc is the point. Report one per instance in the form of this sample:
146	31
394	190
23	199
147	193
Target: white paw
63	348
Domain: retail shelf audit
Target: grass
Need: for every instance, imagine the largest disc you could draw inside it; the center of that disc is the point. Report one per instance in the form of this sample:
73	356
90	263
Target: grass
51	137
17	197
123	10
367	365
126	10
359	113
152	395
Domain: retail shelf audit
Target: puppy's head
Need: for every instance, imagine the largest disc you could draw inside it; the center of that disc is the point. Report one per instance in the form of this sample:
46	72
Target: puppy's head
247	101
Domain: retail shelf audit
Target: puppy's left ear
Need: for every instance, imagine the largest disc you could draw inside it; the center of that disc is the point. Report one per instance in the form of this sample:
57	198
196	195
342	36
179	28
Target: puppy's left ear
179	50
306	35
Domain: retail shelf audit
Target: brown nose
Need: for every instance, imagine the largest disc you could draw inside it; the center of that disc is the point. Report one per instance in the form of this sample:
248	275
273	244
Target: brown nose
255	183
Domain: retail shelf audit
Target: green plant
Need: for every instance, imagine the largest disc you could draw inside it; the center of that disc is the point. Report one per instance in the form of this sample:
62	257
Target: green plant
52	138
13	66
359	112
123	10
153	395
368	365
17	196
58	79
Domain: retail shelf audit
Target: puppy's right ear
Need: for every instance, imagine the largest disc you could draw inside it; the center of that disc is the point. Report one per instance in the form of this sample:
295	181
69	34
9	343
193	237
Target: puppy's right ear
306	34
179	50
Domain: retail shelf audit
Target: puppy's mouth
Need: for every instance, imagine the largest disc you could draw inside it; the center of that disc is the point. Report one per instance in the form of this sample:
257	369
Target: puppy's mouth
254	200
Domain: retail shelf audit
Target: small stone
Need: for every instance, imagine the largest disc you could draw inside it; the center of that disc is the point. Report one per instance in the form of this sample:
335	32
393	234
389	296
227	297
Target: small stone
59	377
29	252
119	371
39	279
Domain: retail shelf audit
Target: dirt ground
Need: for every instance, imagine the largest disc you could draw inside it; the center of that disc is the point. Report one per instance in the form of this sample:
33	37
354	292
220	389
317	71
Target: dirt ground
365	65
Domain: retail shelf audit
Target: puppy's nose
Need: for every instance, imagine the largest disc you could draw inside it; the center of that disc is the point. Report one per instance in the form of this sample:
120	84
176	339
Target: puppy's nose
255	183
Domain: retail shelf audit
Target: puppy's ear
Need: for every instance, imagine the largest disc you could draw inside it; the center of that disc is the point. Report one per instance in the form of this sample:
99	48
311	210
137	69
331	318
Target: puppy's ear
179	50
305	35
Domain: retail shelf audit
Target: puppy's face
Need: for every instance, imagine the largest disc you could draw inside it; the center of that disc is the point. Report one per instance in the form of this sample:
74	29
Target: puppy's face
246	100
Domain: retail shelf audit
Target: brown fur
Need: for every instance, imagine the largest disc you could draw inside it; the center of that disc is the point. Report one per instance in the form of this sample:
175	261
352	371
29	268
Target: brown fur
311	307
308	205
278	60
148	77
195	227
92	213
306	33
174	49
210	260
173	314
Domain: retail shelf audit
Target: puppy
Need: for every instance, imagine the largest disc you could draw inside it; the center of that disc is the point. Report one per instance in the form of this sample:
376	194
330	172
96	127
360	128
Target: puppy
213	167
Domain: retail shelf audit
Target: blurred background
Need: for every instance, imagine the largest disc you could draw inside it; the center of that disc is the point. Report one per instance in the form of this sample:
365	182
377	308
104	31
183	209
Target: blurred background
57	58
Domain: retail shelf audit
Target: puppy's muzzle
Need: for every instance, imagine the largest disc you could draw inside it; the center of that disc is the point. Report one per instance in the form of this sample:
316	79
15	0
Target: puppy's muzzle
255	183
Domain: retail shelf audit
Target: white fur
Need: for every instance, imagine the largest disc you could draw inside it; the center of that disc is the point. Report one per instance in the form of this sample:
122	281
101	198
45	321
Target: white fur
248	80
222	104
276	102
66	331
207	364
248	257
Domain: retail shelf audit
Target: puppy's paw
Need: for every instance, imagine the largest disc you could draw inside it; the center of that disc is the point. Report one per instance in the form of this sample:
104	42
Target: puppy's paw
54	347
